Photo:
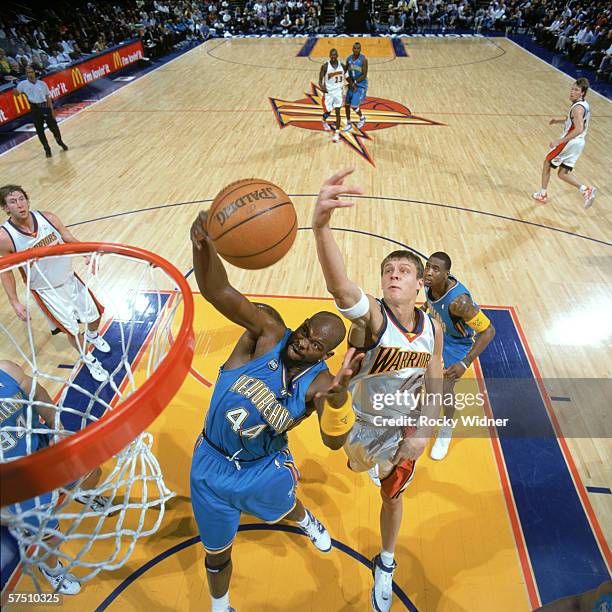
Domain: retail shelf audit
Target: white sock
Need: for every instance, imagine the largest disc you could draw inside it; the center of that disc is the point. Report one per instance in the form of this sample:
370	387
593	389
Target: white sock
543	191
445	432
91	335
582	188
386	557
220	604
51	570
305	521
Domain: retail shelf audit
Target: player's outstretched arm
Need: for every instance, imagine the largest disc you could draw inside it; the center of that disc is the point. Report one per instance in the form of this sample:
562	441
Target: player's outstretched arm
334	403
345	292
473	317
214	285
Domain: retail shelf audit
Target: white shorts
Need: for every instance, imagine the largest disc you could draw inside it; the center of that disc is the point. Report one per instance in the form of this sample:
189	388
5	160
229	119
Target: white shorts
68	305
368	445
333	100
566	154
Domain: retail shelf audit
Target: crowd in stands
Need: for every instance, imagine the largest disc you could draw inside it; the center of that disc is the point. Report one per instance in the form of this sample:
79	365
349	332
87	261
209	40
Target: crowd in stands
65	32
579	29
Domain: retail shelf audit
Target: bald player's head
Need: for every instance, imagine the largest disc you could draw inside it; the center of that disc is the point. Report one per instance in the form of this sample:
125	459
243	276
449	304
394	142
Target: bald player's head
315	339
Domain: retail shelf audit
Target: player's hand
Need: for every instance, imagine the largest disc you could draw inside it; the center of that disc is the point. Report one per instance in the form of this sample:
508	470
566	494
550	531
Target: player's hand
409	448
199	229
324	89
20	311
555	143
336	392
552	122
455	371
328	200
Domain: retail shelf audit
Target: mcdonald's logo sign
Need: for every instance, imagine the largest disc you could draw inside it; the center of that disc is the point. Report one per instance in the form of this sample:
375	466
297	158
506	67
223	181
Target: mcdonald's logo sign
21	103
117	63
77	77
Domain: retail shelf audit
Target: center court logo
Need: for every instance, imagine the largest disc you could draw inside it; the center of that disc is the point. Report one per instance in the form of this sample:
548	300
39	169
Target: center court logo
77	77
117	60
379	113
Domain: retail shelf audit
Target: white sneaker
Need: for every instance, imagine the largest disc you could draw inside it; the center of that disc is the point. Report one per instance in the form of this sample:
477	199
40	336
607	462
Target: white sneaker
440	448
96	503
348	127
317	533
382	592
66	584
96	369
589	196
99	343
336	137
373	474
326	126
361	122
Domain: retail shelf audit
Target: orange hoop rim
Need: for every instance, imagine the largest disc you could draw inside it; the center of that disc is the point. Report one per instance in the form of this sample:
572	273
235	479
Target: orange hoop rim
85	450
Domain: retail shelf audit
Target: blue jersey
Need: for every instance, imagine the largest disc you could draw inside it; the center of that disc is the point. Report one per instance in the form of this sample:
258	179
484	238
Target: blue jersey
253	406
355	68
454	328
13	413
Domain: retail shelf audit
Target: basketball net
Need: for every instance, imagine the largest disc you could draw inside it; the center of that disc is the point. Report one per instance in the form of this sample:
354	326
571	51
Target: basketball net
50	500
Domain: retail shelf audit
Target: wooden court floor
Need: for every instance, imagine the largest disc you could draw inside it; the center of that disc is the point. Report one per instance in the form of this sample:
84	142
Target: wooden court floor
143	161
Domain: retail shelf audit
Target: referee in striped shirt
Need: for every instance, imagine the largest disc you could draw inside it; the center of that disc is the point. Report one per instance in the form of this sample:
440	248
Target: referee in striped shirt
41	108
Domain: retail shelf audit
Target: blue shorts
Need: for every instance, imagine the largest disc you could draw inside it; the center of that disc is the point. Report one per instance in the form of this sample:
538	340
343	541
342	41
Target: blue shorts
220	492
356	98
455	350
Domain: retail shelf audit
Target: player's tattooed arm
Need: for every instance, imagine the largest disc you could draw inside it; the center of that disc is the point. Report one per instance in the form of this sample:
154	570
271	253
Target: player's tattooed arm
214	285
467	311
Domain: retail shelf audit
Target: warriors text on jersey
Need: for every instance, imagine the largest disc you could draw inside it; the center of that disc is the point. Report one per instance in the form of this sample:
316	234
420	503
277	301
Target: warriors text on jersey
334	78
397	362
49	271
253	406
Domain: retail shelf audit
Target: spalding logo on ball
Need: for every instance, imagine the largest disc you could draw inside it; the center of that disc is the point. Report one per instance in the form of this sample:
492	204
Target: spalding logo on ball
252	223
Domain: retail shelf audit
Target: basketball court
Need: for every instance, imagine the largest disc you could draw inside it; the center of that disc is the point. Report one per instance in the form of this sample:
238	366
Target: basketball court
455	135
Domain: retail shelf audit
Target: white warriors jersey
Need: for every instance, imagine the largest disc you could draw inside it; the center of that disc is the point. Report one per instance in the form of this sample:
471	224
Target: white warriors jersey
397	362
334	78
569	124
47	272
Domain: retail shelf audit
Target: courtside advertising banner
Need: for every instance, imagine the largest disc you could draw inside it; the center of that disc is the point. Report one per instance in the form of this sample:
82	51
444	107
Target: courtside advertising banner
72	78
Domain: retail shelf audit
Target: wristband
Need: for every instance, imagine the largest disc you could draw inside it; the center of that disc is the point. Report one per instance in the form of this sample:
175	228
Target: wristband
337	421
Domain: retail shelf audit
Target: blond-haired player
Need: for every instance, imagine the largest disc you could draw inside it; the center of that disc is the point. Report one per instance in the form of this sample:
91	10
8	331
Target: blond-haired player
60	294
403	350
565	151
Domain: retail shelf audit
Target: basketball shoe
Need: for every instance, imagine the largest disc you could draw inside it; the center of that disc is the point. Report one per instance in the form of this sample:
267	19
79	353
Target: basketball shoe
540	197
95	368
440	448
348	127
66	584
95	503
317	533
361	122
382	592
326	126
589	194
99	343
336	137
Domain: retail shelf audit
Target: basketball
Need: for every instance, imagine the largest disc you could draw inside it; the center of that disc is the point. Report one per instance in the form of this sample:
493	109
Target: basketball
252	223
